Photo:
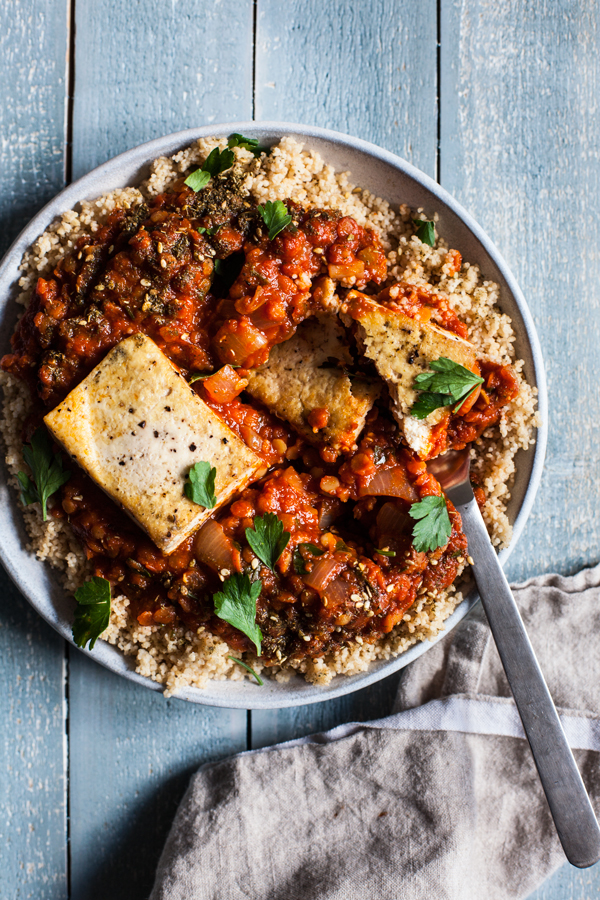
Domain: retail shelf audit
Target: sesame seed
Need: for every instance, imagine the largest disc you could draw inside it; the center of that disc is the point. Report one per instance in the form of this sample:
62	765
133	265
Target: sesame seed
159	247
255	563
390	588
225	573
145	283
306	637
470	560
355	596
433	562
163	264
359	640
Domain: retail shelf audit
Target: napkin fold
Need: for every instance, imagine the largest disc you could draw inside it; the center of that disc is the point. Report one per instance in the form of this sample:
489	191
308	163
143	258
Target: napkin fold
440	799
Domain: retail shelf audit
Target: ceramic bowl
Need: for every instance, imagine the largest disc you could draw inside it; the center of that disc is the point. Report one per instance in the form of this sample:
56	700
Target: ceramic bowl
385	175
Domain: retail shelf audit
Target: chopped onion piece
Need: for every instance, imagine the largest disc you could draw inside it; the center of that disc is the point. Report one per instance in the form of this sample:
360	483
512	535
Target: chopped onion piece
214	548
323	571
338	592
393	521
390	483
224	385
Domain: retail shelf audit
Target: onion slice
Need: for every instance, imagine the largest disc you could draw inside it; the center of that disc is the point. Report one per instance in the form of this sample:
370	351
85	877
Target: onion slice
390	483
214	548
323	571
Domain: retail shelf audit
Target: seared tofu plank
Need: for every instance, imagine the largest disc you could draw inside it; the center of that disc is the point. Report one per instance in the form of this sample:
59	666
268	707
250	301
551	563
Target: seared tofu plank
302	384
401	349
136	427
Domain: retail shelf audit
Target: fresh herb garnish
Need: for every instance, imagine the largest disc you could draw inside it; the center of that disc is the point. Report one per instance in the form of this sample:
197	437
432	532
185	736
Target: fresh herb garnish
448	383
199	376
385	552
236	604
93	611
433	528
47	472
251	144
275	217
425	231
197	180
248	668
217	161
200	488
268	539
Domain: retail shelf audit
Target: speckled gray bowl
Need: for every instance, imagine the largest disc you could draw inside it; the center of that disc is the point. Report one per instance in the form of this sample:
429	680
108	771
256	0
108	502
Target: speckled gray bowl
385	175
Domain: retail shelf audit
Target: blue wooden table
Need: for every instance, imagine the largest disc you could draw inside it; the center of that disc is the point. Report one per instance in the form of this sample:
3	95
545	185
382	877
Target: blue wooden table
498	101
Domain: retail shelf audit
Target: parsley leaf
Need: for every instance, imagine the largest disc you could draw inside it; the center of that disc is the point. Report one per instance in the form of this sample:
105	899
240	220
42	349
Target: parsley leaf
199	376
236	604
425	231
47	472
268	539
200	488
275	217
197	180
251	144
218	161
298	560
93	611
433	529
248	668
448	383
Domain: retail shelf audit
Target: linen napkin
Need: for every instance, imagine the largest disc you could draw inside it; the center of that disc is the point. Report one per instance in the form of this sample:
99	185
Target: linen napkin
439	800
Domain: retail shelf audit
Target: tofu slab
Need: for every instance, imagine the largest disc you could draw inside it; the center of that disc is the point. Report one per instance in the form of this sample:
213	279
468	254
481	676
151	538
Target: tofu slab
136	427
401	349
292	384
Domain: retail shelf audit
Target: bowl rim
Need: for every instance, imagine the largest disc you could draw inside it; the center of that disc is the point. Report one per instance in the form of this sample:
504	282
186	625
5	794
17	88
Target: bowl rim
112	658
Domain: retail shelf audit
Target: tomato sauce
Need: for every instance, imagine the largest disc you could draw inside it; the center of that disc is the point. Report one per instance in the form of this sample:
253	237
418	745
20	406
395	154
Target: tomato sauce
199	275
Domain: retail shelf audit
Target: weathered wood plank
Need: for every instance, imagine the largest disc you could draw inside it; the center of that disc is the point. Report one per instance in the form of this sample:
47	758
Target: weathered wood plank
132	754
368	69
520	148
33	827
33	51
159	67
149	67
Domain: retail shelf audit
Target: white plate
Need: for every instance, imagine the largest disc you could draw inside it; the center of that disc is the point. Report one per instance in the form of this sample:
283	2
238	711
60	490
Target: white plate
385	175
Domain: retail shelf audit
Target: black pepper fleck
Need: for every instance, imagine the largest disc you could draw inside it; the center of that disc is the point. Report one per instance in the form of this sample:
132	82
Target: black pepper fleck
131	410
121	463
156	434
192	447
225	441
142	424
168	408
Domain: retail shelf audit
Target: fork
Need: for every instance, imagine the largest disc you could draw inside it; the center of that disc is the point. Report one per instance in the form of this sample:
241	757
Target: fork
565	792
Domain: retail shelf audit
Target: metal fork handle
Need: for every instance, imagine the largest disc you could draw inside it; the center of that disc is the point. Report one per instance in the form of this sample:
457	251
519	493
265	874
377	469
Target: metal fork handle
565	792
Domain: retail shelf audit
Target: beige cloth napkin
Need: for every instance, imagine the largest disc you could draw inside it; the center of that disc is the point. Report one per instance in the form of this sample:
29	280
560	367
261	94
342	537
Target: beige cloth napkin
440	800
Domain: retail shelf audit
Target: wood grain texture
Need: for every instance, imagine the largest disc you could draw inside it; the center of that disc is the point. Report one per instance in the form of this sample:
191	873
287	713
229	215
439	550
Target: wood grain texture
368	69
33	810
33	59
159	67
146	68
131	757
520	147
33	51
